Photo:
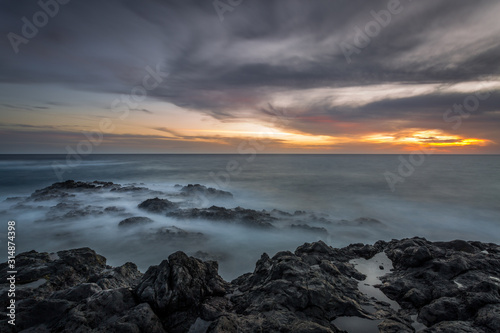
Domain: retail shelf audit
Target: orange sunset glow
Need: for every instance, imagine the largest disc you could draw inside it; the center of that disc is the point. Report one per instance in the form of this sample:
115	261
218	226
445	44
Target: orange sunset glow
289	89
407	141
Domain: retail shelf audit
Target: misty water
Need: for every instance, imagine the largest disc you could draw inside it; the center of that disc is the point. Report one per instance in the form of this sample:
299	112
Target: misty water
444	198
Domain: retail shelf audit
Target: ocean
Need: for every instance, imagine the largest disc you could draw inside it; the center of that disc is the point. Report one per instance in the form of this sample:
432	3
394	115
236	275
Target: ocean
439	197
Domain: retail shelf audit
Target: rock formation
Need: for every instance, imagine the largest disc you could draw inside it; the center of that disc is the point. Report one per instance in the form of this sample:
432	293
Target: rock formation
449	287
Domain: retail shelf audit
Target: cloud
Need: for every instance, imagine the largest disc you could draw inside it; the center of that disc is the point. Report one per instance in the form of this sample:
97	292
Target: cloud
143	110
270	55
13	139
10	125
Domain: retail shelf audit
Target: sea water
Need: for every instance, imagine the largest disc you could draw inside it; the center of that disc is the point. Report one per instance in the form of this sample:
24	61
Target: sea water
444	197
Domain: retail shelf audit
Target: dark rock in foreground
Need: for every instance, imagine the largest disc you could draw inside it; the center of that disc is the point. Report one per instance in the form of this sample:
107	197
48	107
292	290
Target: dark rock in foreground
451	286
446	282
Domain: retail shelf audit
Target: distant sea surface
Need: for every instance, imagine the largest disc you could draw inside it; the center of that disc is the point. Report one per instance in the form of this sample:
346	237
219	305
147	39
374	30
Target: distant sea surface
445	197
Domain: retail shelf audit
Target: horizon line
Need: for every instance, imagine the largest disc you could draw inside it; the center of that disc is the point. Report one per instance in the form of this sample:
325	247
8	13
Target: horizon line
257	153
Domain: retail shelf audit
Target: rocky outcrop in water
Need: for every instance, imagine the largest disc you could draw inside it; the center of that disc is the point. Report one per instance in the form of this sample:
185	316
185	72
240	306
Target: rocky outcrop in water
173	233
134	221
244	216
65	189
157	205
72	201
450	286
69	188
208	192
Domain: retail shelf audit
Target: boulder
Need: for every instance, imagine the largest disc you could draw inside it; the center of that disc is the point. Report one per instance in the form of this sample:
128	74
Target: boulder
198	190
239	215
157	205
136	220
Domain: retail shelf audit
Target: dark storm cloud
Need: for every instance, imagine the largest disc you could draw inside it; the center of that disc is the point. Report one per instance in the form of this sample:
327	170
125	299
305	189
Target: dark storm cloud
228	69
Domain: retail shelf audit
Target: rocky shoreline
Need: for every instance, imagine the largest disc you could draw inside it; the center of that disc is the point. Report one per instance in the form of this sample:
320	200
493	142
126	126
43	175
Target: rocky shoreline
438	286
403	285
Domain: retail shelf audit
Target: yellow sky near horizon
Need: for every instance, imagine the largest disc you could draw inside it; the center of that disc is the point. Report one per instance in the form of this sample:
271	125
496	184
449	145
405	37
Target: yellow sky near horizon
297	132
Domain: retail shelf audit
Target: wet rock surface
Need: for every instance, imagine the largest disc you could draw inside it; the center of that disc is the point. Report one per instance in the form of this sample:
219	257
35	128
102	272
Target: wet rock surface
157	205
203	191
134	221
173	233
70	211
450	286
244	216
64	189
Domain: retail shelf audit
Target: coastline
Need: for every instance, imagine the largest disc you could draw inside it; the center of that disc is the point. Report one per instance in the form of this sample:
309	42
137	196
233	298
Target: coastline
446	286
405	285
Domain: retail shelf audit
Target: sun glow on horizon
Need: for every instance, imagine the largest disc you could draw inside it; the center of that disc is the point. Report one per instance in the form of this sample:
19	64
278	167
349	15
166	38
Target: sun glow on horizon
278	135
425	138
405	140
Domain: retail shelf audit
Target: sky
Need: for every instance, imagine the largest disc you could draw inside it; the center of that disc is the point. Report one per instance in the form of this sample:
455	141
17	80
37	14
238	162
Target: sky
223	76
